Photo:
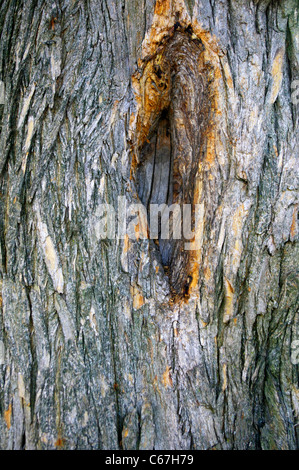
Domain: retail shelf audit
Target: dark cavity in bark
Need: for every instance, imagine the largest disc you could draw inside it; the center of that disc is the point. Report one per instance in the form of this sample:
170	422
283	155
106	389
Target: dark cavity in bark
169	157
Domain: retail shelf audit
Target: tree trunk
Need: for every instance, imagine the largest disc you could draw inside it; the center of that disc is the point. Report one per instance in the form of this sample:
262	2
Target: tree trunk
142	344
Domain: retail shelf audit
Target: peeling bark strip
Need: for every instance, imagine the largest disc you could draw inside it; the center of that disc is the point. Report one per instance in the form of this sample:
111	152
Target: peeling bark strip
101	345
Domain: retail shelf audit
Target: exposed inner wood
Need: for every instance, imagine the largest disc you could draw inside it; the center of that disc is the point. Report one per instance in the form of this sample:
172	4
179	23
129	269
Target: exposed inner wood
177	106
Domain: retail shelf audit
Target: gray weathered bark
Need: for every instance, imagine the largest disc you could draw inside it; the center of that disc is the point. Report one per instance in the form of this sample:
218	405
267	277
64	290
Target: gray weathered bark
101	347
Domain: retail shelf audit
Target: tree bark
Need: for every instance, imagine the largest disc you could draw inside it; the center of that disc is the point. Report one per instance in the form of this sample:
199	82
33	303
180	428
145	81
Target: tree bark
122	344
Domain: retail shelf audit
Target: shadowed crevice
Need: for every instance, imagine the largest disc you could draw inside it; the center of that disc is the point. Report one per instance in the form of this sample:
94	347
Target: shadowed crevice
172	124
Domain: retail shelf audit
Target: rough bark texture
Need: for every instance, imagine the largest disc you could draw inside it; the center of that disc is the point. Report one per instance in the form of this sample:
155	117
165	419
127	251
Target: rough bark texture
100	346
